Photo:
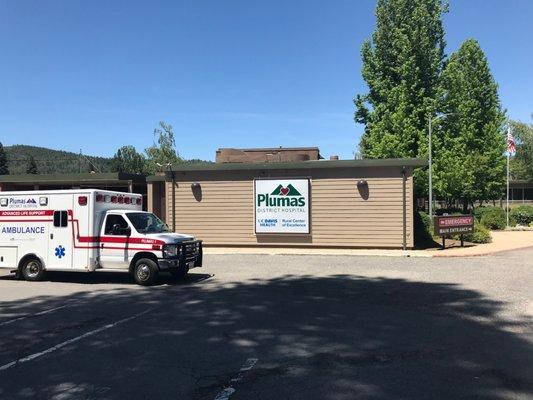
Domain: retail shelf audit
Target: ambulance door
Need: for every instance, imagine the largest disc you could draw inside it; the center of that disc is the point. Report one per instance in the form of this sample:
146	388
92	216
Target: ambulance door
114	242
60	234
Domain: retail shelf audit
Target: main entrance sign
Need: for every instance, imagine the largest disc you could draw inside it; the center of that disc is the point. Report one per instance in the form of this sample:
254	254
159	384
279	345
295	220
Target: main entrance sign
281	205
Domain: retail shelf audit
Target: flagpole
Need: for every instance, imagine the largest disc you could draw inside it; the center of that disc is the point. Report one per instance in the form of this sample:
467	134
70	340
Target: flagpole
510	147
507	207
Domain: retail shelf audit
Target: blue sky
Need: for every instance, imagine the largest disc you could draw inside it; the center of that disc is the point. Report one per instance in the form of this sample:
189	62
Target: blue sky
97	75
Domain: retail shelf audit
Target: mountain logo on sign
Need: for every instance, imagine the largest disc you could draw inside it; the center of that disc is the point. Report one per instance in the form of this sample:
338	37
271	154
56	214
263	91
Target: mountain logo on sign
281	196
288	190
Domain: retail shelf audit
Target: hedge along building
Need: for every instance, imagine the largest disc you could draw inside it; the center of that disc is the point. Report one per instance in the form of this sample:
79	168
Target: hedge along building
333	203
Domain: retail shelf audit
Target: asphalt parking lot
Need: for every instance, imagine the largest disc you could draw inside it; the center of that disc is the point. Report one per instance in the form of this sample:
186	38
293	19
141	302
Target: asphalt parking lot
276	327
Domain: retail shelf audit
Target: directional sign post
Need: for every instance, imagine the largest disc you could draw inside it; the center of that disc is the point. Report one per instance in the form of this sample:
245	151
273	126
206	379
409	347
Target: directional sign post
449	225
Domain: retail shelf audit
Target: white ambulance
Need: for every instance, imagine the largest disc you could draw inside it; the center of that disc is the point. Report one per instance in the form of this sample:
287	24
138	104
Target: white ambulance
89	230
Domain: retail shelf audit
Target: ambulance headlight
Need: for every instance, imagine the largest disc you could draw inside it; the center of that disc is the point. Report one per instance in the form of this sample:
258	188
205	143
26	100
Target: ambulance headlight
170	250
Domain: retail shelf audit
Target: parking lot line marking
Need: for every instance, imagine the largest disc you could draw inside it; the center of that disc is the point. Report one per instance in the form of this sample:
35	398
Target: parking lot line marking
229	390
36	314
249	364
70	341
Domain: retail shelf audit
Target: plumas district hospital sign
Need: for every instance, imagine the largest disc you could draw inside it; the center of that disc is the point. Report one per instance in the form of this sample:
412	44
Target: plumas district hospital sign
281	205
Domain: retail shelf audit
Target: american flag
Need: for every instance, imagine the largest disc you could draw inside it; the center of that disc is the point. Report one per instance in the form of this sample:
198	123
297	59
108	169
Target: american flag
511	147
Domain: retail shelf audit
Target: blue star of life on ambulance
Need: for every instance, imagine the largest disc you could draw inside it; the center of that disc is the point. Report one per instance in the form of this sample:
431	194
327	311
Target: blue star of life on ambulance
60	251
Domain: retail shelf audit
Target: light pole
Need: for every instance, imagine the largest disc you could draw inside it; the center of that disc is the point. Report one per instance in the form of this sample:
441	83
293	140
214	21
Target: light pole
430	121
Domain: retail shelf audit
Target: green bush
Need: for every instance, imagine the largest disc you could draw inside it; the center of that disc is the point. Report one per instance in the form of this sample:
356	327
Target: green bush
479	211
449	211
480	235
423	230
521	215
493	218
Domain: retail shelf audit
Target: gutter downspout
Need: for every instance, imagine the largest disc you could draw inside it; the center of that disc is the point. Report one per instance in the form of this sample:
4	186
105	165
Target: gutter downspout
173	178
404	196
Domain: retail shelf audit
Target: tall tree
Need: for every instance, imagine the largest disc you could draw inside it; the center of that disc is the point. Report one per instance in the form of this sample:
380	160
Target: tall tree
401	66
522	162
127	159
32	166
4	167
469	161
163	152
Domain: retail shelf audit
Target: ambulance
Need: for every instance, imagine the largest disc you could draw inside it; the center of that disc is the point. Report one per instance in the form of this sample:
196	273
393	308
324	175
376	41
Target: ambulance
89	230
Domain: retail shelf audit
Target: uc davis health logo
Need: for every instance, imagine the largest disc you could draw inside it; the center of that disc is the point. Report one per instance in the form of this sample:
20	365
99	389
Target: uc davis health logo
287	196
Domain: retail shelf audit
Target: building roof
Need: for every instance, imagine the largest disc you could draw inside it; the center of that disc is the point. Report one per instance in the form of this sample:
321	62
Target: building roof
301	165
70	178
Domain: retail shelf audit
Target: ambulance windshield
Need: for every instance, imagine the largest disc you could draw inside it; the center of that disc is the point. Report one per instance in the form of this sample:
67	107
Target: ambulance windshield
147	223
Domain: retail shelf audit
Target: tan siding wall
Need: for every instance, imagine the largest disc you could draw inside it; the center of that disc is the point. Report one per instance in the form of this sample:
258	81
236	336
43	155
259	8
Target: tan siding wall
339	216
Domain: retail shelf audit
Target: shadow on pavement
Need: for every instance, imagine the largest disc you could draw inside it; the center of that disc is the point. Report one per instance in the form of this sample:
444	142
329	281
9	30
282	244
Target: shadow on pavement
108	277
336	337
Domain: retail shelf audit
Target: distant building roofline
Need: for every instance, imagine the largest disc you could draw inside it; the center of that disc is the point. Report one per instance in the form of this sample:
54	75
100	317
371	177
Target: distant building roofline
262	149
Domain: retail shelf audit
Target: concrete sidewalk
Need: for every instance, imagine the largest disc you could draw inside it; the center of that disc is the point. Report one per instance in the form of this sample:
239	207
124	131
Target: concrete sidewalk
501	241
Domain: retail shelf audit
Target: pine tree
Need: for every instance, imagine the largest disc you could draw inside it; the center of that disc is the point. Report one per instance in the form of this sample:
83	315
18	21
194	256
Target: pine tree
4	167
469	162
127	159
32	166
401	66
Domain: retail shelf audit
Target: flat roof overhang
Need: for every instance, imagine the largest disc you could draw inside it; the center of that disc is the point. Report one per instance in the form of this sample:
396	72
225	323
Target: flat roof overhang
109	178
302	165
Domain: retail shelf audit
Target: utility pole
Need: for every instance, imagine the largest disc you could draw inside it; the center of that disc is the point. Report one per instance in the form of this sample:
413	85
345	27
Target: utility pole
430	172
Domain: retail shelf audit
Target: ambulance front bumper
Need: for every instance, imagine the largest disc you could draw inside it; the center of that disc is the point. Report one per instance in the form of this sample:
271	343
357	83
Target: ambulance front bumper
190	254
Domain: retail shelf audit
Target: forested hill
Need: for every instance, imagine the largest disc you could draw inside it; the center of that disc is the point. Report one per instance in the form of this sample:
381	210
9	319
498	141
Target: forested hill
51	161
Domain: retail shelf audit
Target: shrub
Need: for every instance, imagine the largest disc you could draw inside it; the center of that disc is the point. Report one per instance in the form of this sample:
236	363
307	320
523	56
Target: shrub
480	235
521	215
493	218
449	211
423	230
479	211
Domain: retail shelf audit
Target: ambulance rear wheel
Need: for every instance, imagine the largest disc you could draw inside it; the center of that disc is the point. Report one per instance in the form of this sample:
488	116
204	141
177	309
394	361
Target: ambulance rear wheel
32	269
145	272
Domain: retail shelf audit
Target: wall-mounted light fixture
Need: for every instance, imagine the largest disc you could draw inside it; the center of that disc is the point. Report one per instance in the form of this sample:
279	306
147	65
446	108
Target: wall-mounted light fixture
362	188
196	189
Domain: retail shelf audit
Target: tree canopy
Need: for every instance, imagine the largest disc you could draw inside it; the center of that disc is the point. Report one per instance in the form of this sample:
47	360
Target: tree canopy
402	64
469	161
4	168
410	81
127	159
522	162
163	151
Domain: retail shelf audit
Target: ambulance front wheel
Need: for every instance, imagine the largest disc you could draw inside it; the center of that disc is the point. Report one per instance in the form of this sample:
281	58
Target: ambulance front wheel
145	272
32	269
